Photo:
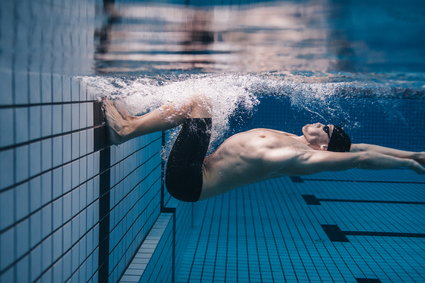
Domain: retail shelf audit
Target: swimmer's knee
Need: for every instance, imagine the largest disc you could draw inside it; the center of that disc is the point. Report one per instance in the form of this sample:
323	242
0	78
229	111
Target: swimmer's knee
200	107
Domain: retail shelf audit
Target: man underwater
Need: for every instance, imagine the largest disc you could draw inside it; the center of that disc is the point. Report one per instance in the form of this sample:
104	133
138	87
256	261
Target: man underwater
250	156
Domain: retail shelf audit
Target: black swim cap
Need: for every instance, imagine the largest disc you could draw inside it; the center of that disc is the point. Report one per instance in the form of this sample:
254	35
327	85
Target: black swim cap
340	141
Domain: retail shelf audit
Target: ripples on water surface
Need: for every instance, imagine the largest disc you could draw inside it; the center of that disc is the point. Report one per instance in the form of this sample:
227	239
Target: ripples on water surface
311	52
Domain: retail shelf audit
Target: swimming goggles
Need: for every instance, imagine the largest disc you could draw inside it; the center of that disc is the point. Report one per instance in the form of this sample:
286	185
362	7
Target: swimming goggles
327	130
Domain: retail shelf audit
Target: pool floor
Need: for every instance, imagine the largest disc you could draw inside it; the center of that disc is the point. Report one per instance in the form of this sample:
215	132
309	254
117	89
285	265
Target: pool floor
354	226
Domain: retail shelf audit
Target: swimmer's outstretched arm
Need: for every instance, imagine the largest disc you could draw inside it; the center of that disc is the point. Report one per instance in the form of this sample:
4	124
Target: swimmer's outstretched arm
317	161
418	156
124	126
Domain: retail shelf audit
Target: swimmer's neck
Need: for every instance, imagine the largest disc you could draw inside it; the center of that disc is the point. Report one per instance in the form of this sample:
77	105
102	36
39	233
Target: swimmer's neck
301	139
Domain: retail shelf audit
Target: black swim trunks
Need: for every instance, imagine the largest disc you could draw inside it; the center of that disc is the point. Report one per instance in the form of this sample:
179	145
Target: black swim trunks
183	176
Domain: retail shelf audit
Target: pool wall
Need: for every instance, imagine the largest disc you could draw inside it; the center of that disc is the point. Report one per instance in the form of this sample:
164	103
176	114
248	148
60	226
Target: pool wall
73	207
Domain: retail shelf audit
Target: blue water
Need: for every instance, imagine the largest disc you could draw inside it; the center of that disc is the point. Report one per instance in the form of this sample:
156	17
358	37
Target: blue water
73	208
359	64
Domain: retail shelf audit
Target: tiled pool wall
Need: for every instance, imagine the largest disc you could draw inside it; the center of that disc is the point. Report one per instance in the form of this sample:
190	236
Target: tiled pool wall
71	206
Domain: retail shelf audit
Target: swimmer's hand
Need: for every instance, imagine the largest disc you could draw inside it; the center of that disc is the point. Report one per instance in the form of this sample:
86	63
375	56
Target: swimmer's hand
118	123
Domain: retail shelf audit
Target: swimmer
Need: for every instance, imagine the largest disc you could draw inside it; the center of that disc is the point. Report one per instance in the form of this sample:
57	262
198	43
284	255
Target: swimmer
250	156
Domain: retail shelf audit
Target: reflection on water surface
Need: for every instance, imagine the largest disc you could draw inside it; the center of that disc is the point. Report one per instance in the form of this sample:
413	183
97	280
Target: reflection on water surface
317	36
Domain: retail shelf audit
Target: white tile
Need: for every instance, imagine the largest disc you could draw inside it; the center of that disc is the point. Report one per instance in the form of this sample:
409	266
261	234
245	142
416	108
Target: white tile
90	166
21	125
57	119
83	91
35	267
35	158
83	222
75	196
6	208
90	140
46	88
23	237
89	217
46	249
83	115
6	97
21	87
7	241
35	88
46	187
7	121
57	244
57	88
83	170
22	270
66	266
22	163
96	162
75	116
83	142
67	207
75	145
35	231
46	120
67	178
89	114
22	198
57	182
7	168
66	88
35	122
35	193
75	229
67	236
66	151
57	270
57	151
46	220
57	213
66	122
46	154
75	89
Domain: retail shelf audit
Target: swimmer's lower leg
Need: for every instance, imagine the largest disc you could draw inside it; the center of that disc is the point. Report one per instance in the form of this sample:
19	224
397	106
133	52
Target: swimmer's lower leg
163	118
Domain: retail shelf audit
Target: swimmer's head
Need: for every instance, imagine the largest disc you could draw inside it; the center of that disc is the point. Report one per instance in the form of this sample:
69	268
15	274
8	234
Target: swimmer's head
339	140
326	137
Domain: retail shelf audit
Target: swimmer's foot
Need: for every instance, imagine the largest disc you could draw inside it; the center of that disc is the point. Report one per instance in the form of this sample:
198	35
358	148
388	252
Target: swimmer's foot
118	126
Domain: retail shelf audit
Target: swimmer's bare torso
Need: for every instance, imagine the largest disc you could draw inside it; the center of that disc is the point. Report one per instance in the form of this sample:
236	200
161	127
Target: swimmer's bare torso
250	157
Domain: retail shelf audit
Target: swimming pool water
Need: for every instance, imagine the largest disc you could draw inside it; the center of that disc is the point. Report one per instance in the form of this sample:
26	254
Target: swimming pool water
73	208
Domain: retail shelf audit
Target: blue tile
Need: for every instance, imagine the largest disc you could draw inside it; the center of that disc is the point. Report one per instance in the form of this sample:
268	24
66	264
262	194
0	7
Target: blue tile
35	266
22	163
22	270
7	124
46	252
6	208
7	168
35	193
57	119
35	122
